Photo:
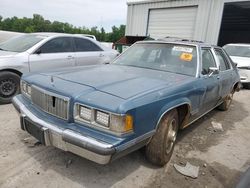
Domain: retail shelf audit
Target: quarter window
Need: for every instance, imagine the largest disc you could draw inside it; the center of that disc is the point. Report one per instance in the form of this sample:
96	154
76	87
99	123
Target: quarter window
84	45
207	61
57	45
224	65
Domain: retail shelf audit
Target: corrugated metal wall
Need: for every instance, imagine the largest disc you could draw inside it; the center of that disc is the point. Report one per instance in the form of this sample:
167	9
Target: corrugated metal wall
208	20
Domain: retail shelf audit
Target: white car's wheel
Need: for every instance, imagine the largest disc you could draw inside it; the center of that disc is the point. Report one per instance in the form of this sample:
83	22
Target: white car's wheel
9	86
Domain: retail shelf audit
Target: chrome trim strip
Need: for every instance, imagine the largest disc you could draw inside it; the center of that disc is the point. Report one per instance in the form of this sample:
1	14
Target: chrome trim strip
202	115
136	141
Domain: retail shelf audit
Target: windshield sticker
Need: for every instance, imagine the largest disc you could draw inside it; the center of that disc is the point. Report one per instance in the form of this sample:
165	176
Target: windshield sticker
183	49
186	57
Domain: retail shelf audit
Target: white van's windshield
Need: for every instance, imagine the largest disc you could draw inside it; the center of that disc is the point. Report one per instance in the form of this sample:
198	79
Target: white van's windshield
240	51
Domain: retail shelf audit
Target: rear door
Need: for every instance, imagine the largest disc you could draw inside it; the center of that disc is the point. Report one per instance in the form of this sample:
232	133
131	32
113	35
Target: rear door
87	52
54	54
226	73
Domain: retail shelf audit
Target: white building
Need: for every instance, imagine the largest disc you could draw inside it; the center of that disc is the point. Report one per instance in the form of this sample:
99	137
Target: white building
212	21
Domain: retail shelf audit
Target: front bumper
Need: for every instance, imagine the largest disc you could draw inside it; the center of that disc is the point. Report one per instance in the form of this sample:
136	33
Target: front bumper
51	134
64	139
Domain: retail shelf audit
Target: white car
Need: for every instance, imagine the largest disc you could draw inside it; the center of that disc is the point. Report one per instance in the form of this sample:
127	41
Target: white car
240	54
45	51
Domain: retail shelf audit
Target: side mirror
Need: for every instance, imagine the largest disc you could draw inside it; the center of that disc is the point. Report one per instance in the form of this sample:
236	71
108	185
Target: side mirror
213	70
39	51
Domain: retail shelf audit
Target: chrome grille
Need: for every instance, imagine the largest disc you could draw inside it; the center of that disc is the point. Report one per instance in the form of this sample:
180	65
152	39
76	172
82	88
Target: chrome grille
51	103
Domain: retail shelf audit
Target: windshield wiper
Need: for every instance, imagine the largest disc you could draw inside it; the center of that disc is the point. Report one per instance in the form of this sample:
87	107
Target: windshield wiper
2	49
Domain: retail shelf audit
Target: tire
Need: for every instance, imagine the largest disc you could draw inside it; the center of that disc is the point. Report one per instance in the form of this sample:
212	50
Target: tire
227	102
9	86
161	146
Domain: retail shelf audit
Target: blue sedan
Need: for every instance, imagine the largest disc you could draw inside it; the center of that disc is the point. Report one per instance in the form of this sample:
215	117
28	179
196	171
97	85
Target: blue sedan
143	98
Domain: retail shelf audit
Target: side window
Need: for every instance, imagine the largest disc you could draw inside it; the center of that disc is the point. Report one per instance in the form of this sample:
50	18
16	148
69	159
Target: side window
224	64
84	45
57	45
207	61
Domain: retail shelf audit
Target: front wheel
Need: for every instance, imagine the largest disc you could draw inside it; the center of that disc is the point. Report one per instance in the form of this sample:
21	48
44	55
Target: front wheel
161	146
9	86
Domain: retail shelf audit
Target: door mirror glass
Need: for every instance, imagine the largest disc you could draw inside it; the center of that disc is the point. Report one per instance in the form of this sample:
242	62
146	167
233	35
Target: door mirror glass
213	70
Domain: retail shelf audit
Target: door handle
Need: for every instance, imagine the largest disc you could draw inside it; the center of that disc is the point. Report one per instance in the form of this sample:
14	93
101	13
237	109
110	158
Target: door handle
70	57
218	77
101	55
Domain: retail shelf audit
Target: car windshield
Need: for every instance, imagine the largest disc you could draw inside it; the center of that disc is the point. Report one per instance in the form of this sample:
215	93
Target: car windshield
21	43
240	51
175	58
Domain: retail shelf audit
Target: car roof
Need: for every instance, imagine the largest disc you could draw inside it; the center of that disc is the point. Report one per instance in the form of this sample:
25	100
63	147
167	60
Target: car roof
182	41
51	34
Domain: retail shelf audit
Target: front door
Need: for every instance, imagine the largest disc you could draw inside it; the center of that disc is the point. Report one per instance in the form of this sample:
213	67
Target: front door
54	54
210	83
226	73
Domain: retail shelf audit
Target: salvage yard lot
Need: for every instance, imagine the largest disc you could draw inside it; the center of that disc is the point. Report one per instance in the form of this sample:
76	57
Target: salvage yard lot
24	163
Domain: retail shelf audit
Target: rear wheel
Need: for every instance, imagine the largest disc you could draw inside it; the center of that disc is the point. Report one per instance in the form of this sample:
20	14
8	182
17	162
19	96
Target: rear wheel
9	86
227	102
161	146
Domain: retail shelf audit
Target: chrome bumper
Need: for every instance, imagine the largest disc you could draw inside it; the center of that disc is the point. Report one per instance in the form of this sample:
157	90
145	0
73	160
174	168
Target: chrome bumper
66	139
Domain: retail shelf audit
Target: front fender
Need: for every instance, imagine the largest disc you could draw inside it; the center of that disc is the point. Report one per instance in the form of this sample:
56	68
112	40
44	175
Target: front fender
18	62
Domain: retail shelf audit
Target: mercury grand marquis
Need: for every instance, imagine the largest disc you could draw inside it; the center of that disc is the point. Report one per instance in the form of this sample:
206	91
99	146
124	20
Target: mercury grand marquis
141	99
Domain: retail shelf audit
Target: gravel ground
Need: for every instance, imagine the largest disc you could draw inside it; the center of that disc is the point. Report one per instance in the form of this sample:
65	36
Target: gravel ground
226	155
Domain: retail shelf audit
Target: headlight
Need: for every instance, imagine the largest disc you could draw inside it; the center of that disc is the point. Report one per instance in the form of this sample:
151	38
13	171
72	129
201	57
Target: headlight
25	88
118	124
85	113
102	118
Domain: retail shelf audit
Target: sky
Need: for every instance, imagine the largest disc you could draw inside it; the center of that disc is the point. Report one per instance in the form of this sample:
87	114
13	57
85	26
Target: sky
88	13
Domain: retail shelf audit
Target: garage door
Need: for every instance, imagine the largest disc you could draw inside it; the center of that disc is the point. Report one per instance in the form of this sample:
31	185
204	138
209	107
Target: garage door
173	22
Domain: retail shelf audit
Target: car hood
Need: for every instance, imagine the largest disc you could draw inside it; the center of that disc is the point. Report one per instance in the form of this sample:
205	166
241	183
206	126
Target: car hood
241	61
120	81
5	54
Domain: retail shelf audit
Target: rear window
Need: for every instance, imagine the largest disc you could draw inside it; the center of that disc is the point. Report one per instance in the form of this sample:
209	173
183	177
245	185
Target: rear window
84	45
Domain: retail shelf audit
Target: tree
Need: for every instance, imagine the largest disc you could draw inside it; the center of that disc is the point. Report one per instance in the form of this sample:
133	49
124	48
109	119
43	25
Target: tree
39	24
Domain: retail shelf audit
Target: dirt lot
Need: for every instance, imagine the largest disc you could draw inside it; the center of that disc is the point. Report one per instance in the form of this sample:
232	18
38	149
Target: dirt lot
227	154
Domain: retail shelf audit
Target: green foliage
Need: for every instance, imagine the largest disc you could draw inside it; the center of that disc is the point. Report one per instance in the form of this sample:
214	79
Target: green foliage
39	24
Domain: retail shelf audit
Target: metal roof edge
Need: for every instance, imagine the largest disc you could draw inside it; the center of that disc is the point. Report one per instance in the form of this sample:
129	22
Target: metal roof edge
145	1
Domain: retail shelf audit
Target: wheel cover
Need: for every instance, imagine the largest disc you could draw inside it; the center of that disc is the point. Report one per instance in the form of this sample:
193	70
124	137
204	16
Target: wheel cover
7	88
171	136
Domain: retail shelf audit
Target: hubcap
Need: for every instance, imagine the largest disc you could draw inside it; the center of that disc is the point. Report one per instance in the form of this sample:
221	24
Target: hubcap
171	137
7	88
